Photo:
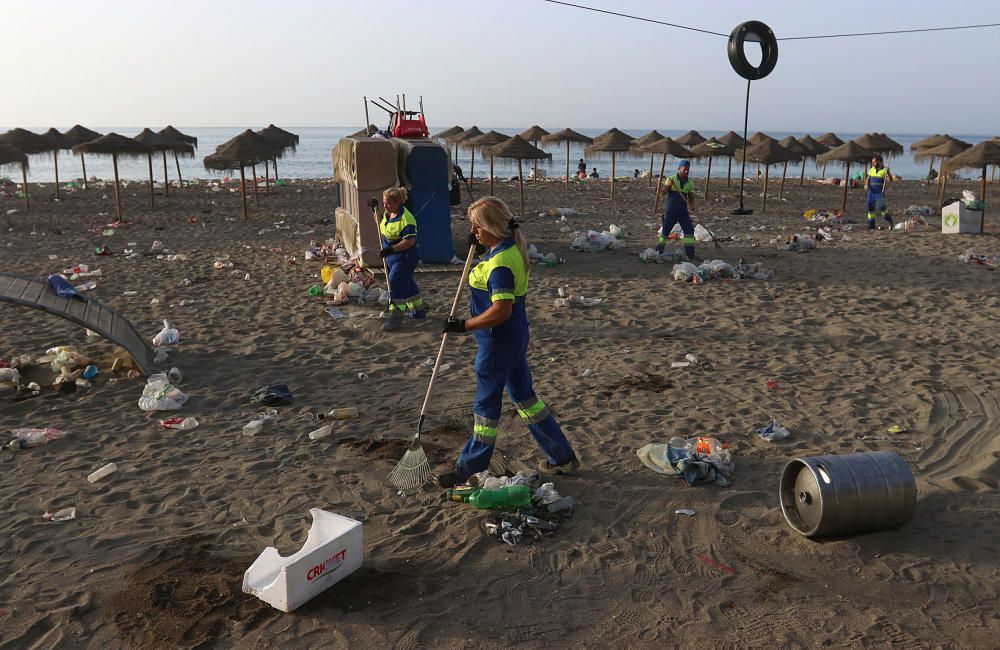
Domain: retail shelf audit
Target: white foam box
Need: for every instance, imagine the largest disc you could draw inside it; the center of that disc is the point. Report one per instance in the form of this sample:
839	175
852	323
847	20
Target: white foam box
956	218
333	550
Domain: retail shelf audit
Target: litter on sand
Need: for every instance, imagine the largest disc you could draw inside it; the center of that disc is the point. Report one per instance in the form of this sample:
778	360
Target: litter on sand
696	460
773	431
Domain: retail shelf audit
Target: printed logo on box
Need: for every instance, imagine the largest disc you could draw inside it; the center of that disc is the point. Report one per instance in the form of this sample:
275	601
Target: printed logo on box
951	219
327	566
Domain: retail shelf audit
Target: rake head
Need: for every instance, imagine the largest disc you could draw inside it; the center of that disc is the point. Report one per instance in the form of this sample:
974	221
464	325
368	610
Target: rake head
413	469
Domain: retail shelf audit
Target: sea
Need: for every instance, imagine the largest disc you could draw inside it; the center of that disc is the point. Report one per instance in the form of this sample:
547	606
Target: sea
312	158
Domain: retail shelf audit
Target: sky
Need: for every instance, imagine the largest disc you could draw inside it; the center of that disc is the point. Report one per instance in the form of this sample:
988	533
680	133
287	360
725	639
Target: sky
499	64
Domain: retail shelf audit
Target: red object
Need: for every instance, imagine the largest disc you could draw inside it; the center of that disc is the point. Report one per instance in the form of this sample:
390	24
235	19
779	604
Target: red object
717	565
169	422
772	384
404	128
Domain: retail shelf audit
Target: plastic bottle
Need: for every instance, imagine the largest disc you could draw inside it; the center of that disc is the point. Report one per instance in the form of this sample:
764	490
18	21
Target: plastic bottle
461	494
179	423
512	495
255	426
345	413
321	432
710	446
86	286
110	468
316	290
29	437
690	357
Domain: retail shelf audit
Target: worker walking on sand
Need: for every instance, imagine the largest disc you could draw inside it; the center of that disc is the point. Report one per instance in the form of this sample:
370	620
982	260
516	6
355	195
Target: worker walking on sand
680	201
875	183
500	324
398	229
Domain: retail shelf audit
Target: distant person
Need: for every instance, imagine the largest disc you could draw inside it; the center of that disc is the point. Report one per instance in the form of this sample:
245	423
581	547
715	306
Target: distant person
582	175
876	183
680	201
635	173
581	166
594	173
398	228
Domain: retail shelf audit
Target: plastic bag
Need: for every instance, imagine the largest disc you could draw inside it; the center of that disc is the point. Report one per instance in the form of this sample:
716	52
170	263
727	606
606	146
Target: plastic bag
773	431
272	395
167	336
160	395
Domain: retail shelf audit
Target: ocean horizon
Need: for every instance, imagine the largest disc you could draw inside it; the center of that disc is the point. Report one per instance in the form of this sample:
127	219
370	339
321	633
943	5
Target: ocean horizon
312	158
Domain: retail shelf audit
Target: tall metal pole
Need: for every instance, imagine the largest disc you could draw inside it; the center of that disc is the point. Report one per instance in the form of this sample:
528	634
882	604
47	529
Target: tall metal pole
743	170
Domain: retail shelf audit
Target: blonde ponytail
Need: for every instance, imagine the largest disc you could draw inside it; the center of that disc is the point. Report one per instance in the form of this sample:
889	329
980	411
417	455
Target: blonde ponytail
495	217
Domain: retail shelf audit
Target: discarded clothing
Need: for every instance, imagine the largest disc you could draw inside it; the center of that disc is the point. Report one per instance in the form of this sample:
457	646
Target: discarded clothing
272	395
678	458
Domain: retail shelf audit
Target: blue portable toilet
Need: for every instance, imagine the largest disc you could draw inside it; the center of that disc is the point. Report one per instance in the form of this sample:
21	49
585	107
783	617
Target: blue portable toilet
425	171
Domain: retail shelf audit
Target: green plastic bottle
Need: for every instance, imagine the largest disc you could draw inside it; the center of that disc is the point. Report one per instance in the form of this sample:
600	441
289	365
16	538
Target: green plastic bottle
512	495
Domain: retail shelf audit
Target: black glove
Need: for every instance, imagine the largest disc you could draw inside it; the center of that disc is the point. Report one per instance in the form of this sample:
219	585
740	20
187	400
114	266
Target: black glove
472	241
455	325
386	252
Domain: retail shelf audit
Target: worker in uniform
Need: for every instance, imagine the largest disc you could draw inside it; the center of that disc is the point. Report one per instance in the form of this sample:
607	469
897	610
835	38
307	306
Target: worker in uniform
398	229
875	183
680	200
500	324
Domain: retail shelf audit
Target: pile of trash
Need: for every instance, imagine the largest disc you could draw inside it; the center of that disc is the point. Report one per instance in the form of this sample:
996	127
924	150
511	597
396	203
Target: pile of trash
696	460
650	255
353	285
720	269
559	212
822	216
972	257
801	243
701	233
919	211
971	202
569	299
546	259
593	241
773	431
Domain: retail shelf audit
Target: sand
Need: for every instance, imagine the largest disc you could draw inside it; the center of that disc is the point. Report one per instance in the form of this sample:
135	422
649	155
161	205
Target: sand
884	329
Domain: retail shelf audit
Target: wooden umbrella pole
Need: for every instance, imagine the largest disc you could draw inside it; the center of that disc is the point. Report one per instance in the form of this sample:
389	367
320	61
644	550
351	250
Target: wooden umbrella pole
84	165
24	187
650	169
472	166
823	174
567	163
847	180
534	169
659	184
520	184
708	176
275	161
267	177
802	176
729	172
243	191
149	157
166	179
55	162
491	175
930	168
781	188
180	179
767	171
982	197
253	169
118	193
612	175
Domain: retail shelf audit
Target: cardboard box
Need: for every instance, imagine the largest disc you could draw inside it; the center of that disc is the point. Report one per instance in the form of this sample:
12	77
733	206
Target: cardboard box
956	218
333	550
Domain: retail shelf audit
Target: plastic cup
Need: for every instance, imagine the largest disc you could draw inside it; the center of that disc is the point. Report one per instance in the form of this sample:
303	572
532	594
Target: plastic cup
110	468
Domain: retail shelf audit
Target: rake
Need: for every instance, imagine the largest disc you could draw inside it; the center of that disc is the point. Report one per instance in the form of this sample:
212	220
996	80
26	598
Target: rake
414	468
385	265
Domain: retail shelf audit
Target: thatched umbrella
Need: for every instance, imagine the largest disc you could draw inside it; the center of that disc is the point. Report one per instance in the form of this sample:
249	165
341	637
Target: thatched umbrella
830	141
796	147
846	153
667	147
891	147
78	135
288	141
11	156
644	140
736	141
982	155
460	139
759	137
533	135
246	149
28	143
519	148
815	148
950	148
447	133
59	142
711	148
483	142
171	132
691	138
615	142
929	143
567	136
162	143
768	153
116	146
874	143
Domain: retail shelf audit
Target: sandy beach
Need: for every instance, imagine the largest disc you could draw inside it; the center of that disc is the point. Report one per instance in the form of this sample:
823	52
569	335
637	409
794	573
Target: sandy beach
870	330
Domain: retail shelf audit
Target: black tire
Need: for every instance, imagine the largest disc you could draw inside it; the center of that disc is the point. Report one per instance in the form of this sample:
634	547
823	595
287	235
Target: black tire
768	45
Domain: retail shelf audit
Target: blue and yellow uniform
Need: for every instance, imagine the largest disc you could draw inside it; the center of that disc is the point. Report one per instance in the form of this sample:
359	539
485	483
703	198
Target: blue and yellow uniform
502	362
876	196
677	212
403	290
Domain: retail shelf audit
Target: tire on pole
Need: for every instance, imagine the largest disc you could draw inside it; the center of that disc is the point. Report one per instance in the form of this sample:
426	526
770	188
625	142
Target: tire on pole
755	32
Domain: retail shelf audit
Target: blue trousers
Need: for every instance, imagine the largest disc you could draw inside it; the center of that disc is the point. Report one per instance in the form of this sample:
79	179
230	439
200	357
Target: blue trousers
877	208
404	292
500	366
670	219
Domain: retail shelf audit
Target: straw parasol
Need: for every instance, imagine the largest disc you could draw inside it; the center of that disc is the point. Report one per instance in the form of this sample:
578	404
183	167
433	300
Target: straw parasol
162	143
892	147
874	143
758	137
567	136
736	141
946	150
519	148
447	133
487	140
534	135
667	147
116	146
830	141
642	141
287	141
796	147
459	140
815	148
768	153
28	143
78	135
171	132
920	146
846	153
711	148
982	155
246	149
11	156
59	142
691	138
614	142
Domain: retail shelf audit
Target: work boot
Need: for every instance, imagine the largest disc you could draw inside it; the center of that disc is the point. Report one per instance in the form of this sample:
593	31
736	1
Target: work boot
545	467
393	322
417	314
